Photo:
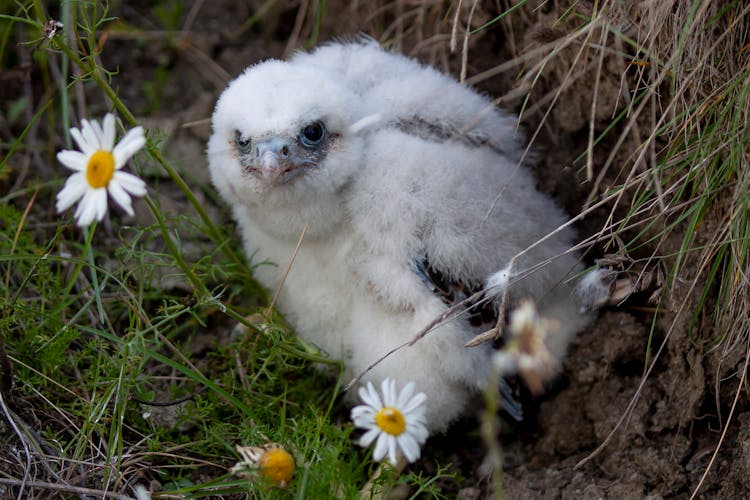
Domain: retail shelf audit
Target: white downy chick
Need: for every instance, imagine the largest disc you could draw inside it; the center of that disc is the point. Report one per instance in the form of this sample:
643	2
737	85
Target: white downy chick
413	193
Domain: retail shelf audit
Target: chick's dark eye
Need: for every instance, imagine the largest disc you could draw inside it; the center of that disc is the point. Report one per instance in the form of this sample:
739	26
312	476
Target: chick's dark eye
313	134
243	143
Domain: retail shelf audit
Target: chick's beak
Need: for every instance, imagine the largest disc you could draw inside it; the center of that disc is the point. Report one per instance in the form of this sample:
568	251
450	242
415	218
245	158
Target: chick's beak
273	160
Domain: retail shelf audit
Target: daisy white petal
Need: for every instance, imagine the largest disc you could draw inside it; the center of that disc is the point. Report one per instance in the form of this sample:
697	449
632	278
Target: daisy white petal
99	134
130	183
370	396
405	395
83	204
415	402
362	410
100	203
363	419
108	132
74	189
418	431
83	145
90	135
385	390
121	197
128	146
368	437
409	446
86	211
74	160
392	448
362	414
364	396
381	447
93	206
389	392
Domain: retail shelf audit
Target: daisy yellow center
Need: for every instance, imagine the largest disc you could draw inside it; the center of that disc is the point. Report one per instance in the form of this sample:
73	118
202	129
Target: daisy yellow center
277	465
100	169
390	420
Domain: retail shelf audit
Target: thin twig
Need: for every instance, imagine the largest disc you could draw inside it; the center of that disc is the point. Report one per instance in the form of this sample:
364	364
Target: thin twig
465	50
291	43
454	29
286	271
495	332
592	118
192	15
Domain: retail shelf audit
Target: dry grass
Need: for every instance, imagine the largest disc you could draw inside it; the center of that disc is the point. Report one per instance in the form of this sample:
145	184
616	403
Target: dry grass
666	148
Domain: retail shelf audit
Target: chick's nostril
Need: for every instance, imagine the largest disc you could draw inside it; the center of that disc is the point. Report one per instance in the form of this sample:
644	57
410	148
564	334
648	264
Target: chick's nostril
284	152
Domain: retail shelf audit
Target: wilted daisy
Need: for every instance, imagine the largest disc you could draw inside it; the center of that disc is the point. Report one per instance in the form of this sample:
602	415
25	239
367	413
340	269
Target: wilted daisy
397	421
97	170
526	352
271	460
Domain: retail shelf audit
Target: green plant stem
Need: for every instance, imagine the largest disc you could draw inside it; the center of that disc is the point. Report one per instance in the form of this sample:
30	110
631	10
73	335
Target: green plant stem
79	264
198	285
66	10
213	231
489	430
88	251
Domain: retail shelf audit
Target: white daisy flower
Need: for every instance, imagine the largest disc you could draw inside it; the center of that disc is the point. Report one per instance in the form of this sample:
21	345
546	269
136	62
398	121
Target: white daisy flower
97	170
397	421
